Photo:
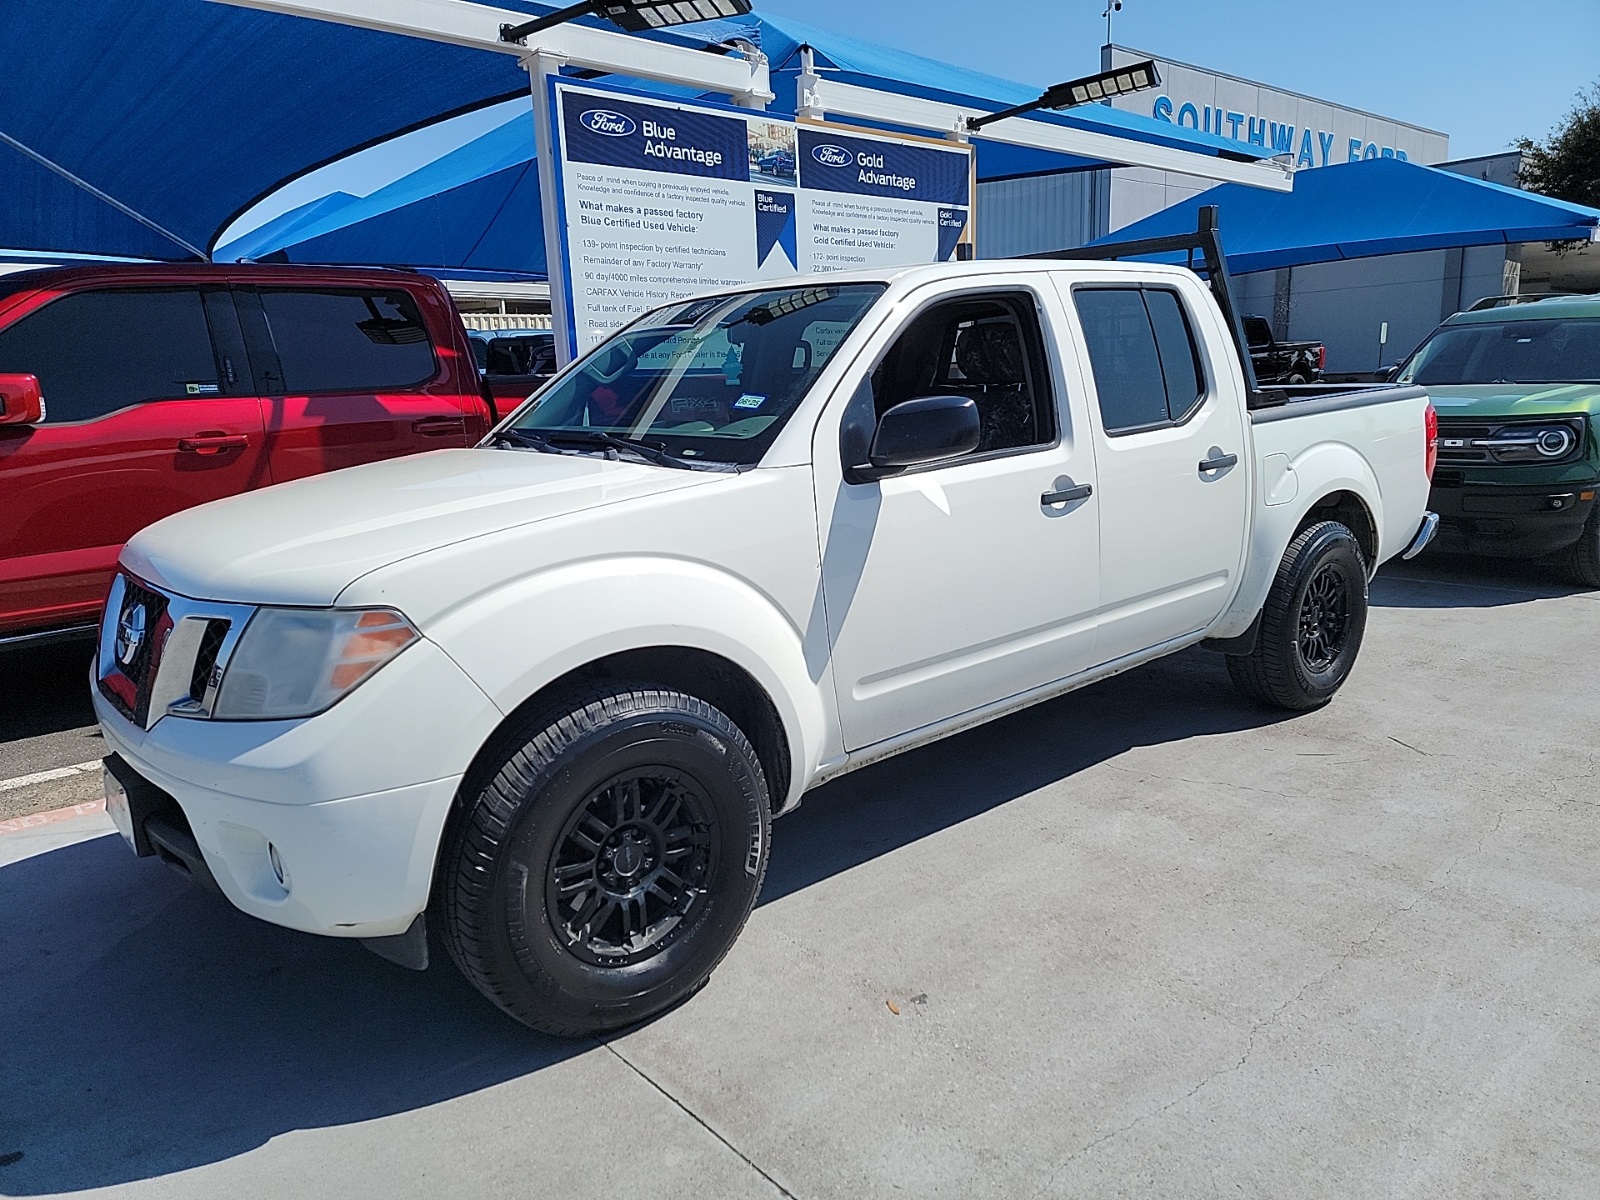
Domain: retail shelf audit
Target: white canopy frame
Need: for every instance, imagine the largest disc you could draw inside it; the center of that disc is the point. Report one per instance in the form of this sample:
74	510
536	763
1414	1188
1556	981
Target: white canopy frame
744	77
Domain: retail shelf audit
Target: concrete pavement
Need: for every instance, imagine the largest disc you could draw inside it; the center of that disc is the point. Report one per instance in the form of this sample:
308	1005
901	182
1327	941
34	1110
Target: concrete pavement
1144	940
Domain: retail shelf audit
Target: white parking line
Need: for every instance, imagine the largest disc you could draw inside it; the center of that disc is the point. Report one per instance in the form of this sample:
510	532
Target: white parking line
22	781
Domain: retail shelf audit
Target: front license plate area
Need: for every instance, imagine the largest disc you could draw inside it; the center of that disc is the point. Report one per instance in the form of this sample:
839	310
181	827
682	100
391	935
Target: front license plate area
118	808
130	799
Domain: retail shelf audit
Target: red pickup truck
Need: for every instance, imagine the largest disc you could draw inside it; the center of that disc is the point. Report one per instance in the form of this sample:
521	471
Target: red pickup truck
128	392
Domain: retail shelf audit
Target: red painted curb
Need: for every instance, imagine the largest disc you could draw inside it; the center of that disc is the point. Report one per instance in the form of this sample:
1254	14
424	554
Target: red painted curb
34	820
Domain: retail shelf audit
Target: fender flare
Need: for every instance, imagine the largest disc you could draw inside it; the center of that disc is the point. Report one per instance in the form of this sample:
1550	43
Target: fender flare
596	609
1322	470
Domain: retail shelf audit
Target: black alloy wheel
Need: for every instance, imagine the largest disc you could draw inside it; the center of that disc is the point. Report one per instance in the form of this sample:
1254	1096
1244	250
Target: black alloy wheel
1310	629
604	857
630	867
1324	617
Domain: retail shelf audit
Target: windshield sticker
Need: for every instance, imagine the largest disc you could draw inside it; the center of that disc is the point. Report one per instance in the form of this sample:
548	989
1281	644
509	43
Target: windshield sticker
749	400
202	389
694	406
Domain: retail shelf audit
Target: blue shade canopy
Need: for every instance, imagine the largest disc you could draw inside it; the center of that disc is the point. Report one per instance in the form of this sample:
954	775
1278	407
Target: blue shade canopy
190	112
1358	210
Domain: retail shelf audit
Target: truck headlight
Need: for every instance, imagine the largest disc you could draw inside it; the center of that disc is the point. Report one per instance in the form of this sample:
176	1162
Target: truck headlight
296	662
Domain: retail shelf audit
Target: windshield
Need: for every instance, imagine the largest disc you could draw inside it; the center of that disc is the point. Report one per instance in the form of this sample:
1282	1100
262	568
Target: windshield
1544	351
708	381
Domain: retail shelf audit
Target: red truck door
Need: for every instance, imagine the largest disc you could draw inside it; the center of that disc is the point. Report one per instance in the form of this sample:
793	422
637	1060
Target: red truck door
350	375
148	410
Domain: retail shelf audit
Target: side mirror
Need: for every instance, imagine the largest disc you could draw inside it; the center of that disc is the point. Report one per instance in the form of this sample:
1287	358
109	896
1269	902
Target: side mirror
21	401
925	430
1389	373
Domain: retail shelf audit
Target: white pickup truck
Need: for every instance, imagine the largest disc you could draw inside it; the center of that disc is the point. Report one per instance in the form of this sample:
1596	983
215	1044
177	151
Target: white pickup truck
546	695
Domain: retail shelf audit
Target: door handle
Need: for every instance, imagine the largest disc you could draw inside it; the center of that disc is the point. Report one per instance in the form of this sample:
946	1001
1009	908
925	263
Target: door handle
212	443
1067	495
439	426
1218	463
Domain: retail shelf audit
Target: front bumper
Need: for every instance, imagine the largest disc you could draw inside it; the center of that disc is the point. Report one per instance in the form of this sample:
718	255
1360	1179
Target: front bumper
354	801
1511	521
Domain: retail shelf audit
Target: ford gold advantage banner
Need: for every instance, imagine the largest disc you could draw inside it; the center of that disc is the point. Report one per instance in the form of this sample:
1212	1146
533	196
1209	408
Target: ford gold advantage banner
662	199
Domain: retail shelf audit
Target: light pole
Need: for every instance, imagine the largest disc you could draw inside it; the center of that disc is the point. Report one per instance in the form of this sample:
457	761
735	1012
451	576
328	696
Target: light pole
1112	6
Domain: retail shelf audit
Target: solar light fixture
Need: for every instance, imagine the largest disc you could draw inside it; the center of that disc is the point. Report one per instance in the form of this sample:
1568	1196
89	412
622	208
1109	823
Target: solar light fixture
632	16
1120	81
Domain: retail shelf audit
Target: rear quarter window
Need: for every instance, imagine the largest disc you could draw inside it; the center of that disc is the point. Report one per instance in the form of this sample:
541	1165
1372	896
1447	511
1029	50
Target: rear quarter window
348	340
1146	364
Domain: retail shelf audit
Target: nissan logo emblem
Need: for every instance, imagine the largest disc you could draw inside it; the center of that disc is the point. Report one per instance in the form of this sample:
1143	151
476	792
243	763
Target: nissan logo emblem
830	155
130	634
607	123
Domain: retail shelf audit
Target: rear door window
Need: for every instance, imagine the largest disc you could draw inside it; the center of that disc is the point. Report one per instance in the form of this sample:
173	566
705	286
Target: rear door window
347	340
1146	366
520	356
99	351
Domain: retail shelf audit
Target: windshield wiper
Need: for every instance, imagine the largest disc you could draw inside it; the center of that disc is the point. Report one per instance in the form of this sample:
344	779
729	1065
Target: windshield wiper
558	441
527	441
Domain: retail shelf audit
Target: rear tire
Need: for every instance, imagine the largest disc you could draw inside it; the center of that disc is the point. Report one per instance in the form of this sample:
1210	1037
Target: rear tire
1311	625
607	860
1582	561
1297	378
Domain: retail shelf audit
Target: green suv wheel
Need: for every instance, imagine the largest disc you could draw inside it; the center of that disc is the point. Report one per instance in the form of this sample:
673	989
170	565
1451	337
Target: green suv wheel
1582	562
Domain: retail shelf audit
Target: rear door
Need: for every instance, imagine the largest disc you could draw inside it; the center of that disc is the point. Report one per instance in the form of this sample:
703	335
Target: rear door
148	410
347	375
1173	490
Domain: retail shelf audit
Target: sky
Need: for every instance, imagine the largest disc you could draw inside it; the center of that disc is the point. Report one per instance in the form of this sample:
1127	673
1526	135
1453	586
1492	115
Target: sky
1484	71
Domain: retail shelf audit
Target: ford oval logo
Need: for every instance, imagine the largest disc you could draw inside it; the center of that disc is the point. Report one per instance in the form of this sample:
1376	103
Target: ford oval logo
610	124
830	155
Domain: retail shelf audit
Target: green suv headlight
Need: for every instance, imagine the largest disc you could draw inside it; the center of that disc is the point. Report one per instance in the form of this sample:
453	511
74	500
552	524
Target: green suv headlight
1532	443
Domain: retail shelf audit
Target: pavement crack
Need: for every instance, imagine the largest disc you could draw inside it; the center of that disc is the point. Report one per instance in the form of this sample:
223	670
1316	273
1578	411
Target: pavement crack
1243	787
697	1119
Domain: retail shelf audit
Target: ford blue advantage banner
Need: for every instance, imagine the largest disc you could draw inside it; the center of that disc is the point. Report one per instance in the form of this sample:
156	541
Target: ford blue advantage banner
657	200
874	167
652	137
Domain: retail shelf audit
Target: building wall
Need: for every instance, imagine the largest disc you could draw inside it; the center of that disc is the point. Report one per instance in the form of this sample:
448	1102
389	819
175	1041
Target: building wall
1315	133
1042	212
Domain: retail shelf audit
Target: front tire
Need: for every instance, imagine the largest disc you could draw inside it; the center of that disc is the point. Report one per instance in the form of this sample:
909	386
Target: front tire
1582	562
1312	623
608	860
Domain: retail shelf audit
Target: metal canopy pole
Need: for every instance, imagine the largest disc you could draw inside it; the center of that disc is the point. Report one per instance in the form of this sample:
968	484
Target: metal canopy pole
541	68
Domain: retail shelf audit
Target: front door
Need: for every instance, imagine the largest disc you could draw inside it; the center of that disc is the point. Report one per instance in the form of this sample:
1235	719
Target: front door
344	376
953	586
1173	483
147	411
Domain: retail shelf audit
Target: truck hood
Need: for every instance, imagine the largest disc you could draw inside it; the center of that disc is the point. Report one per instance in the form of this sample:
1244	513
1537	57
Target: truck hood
1514	399
305	542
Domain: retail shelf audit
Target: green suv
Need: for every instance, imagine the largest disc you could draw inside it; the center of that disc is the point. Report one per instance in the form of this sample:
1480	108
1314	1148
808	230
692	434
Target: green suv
1518	391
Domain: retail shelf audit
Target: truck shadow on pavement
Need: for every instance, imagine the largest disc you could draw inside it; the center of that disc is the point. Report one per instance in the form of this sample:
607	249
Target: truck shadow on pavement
152	1030
880	808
